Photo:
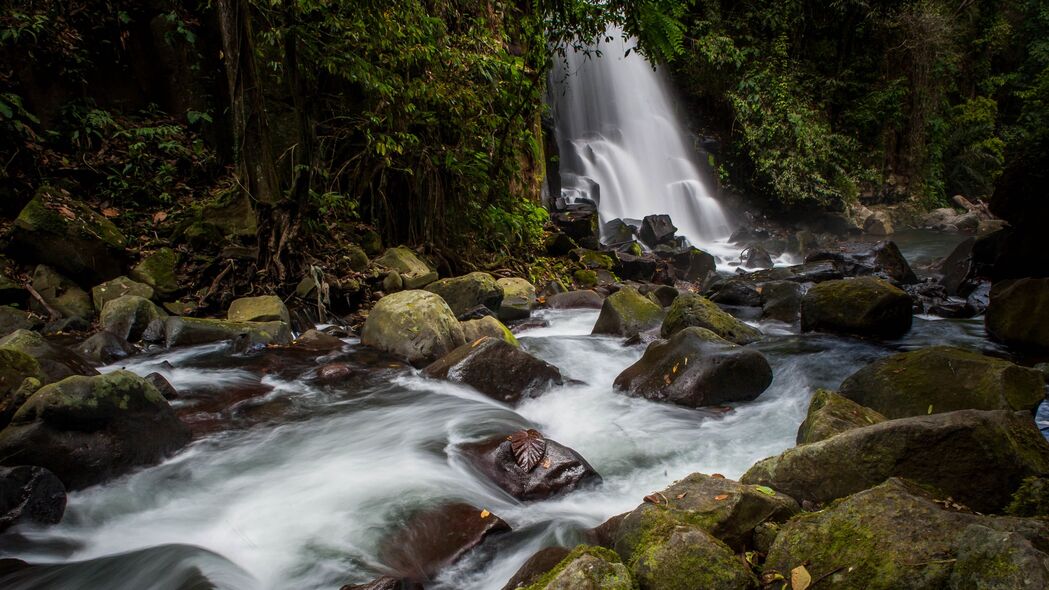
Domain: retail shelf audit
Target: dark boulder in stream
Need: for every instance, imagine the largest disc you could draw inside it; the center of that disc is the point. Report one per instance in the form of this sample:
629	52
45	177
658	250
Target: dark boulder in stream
627	313
497	369
1019	313
30	494
830	413
583	299
657	229
530	467
864	306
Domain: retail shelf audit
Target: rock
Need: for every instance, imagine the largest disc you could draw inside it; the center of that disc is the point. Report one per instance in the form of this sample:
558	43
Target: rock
488	326
183	331
940	219
318	341
392	282
30	494
1004	559
757	257
20	374
355	257
781	301
580	225
518	299
943	379
497	369
371	242
164	386
587	568
128	317
414	273
12	319
830	414
661	295
657	229
977	457
385	583
956	269
692	265
878	224
1018	314
559	244
61	294
415	325
690	310
158	271
735	292
63	233
697	368
899	536
635	268
627	313
118	287
104	348
561	470
11	292
89	429
538	564
617	232
883	259
265	308
584	299
863	306
57	362
688	557
435	538
469	291
591	260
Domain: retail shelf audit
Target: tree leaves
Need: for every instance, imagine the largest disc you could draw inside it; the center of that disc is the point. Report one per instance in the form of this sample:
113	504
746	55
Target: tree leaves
529	448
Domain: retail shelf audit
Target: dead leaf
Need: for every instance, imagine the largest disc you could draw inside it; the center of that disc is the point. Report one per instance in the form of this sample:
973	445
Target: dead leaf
682	495
666	379
800	578
529	447
721	497
674	370
110	212
653	499
66	212
159	216
547	463
485	513
717	476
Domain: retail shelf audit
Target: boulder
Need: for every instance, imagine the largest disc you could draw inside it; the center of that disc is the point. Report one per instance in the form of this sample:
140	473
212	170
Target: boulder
757	257
385	583
883	259
104	348
581	225
697	368
690	310
657	229
878	223
415	325
164	386
61	294
781	301
89	429
692	265
497	369
63	233
12	292
30	494
627	313
557	470
183	331
661	295
536	566
559	244
128	317
956	269
617	232
265	308
158	271
830	414
318	341
118	287
488	326
16	368
633	267
592	260
469	291
518	299
977	457
1018	314
687	557
587	568
864	306
736	293
943	379
990	555
414	273
355	257
583	299
57	362
435	538
12	319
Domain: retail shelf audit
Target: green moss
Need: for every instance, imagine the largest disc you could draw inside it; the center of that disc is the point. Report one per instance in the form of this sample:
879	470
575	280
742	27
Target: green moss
586	279
693	310
598	552
634	249
593	260
1031	498
158	271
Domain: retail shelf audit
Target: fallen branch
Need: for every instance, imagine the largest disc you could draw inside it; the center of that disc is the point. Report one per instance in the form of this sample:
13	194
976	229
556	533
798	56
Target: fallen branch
55	315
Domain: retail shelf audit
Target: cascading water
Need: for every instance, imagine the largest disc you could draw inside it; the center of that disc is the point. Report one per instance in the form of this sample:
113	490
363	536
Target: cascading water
622	143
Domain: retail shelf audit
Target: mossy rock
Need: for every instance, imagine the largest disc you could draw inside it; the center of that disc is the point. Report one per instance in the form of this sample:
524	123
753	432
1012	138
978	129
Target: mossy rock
57	362
415	325
264	308
585	279
371	242
415	273
355	257
12	319
864	306
1018	314
129	316
830	414
592	260
497	369
690	310
688	558
62	294
469	291
587	568
228	215
977	457
1031	499
183	331
627	313
15	368
118	287
488	326
519	299
943	379
158	271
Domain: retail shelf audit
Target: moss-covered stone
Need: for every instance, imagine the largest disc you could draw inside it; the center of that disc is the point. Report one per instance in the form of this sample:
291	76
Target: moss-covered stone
488	326
1031	498
830	414
865	306
592	260
989	558
415	273
587	568
15	368
689	558
158	271
129	316
61	294
264	308
1018	314
585	279
943	379
355	257
12	319
118	287
626	313
57	362
415	325
215	220
519	299
184	331
690	310
371	242
469	291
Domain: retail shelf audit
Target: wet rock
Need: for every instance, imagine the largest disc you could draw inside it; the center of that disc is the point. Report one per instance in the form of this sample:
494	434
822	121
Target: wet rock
943	379
89	429
318	341
690	310
604	534
30	494
617	232
20	376
559	471
128	317
697	368
863	306
830	414
878	224
118	287
757	257
956	269
414	273
57	362
661	295
635	268
580	225
735	292
158	271
385	583
415	325
469	291
781	300
12	319
587	568
689	557
656	230
537	565
977	457
1018	314
265	308
692	265
61	294
104	348
883	259
497	369
433	539
583	299
626	313
332	373
519	299
488	326
164	386
183	331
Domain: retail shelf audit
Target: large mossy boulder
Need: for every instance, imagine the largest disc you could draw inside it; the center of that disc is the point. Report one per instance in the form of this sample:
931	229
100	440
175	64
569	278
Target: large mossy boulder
943	379
118	287
61	294
129	316
469	291
584	299
518	299
415	325
497	369
586	568
63	233
627	313
781	301
555	470
864	306
688	557
56	361
16	368
1018	314
183	331
158	270
830	414
696	368
264	308
414	273
89	429
690	310
488	326
899	536
977	457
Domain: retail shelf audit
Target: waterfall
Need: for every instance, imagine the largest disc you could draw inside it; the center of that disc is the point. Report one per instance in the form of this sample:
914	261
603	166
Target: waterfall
623	145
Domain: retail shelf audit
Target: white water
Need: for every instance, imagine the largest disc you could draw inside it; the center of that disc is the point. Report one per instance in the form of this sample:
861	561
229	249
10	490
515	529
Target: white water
618	127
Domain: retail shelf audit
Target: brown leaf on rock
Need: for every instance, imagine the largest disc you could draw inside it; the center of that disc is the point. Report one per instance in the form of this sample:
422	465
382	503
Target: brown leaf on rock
653	499
800	578
721	497
529	447
66	212
110	212
159	216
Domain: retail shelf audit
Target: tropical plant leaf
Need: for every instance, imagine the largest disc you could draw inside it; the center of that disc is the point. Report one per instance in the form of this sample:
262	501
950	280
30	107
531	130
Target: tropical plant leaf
529	447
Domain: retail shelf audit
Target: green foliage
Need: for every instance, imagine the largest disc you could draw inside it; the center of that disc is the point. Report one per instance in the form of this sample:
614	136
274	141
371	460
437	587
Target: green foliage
975	155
